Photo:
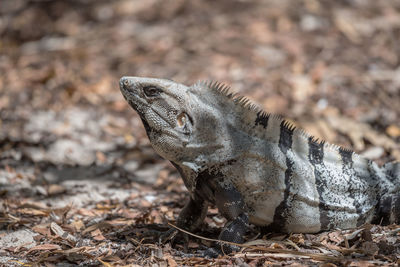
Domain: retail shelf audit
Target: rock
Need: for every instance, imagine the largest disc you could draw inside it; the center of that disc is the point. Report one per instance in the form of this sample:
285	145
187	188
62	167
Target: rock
70	152
20	237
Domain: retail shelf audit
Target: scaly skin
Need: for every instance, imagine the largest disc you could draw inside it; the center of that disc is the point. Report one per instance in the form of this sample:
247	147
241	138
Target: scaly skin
255	167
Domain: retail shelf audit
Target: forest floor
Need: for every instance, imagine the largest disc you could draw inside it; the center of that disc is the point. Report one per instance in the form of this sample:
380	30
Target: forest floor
79	181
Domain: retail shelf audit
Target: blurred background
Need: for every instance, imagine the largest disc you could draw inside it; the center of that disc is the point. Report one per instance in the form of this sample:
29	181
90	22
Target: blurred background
333	67
302	59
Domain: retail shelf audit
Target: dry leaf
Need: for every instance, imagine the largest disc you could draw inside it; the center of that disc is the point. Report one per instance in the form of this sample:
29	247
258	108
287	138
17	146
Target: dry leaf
97	235
370	248
357	132
42	229
336	237
78	225
105	263
44	247
120	222
193	244
86	212
171	261
21	263
33	212
297	238
61	233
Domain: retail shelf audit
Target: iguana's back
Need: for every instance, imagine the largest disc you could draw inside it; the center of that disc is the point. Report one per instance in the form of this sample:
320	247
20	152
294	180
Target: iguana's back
292	183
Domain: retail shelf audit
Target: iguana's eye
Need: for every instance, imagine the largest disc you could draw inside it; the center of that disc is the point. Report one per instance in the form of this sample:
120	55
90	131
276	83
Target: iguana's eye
151	91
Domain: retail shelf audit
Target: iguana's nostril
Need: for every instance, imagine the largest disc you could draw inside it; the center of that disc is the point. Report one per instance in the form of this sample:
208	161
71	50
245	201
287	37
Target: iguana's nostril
124	83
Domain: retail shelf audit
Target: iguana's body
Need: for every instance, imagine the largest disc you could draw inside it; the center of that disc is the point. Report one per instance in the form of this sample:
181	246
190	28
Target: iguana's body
258	168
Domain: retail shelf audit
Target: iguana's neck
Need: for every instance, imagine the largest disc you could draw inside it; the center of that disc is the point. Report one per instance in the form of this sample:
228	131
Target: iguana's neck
236	138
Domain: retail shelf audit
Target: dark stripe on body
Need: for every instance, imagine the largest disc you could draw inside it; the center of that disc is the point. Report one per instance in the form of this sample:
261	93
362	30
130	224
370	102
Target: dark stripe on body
396	208
347	157
316	156
383	200
348	170
262	119
384	209
285	143
375	186
373	175
392	171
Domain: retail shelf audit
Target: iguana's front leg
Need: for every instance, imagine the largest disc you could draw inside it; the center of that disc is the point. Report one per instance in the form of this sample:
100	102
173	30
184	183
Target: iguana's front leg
231	205
190	218
193	214
388	211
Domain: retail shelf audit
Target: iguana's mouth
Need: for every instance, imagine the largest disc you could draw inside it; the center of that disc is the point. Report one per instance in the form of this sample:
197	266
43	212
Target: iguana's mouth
149	129
145	124
142	103
138	104
133	105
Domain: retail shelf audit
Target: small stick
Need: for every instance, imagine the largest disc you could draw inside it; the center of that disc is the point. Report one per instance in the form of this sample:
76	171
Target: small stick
273	250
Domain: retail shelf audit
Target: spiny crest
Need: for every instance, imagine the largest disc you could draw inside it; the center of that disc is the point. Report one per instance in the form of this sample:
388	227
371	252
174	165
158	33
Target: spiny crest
220	87
246	103
312	138
322	142
224	90
262	115
288	125
344	149
337	147
316	140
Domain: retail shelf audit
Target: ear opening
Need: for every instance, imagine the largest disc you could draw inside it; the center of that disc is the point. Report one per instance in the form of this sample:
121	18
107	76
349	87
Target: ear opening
185	122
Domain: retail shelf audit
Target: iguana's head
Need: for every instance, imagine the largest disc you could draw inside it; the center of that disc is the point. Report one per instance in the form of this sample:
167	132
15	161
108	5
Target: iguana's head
181	121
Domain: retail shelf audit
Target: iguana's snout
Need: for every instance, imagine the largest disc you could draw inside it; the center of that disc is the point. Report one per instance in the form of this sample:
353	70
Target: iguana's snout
144	88
130	86
124	85
123	82
142	92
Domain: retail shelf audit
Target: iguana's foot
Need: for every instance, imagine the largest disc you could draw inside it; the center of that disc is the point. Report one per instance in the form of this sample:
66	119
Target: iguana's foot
174	236
187	255
167	236
220	250
211	253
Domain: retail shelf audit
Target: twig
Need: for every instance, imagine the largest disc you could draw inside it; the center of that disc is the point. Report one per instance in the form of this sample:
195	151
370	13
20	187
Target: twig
271	250
200	237
291	243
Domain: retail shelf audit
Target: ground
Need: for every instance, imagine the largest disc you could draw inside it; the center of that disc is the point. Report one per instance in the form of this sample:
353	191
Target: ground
79	181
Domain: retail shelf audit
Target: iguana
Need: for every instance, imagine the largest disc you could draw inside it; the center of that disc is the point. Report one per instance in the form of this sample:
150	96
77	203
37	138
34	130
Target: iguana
256	167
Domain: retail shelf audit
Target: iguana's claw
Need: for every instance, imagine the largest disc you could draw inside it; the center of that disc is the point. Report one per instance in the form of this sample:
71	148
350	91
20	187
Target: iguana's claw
167	236
214	252
174	236
187	255
211	253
